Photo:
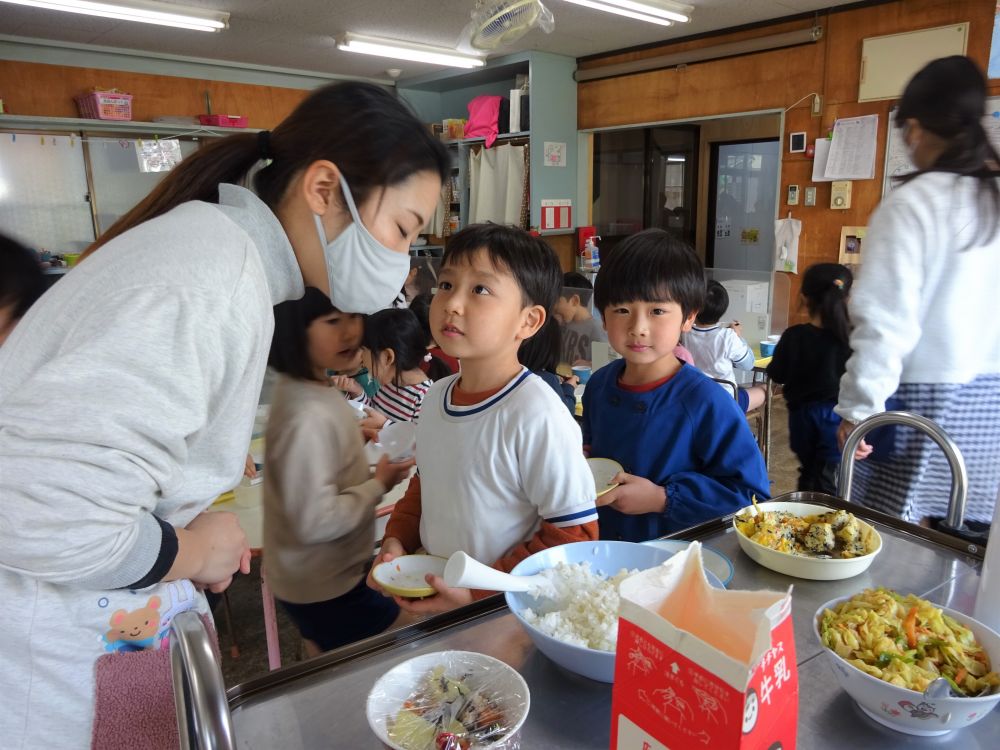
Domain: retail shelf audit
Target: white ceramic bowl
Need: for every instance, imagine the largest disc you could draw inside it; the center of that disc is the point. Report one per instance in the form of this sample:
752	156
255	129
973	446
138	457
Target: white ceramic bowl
486	673
605	558
813	568
907	710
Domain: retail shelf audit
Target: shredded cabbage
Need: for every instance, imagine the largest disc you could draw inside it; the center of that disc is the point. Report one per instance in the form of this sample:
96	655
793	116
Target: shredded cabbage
906	641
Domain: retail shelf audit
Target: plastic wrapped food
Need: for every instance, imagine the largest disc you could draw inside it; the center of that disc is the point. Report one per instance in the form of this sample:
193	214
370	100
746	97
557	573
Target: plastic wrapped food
450	700
906	641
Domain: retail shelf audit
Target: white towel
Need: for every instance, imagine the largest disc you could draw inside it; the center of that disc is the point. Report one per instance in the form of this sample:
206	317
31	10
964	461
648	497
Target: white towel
786	245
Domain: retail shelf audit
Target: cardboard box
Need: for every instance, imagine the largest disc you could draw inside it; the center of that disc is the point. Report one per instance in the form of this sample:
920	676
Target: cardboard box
698	667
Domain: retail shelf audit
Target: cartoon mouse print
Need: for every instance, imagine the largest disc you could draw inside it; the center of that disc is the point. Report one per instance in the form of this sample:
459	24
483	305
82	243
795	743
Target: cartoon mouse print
135	630
920	710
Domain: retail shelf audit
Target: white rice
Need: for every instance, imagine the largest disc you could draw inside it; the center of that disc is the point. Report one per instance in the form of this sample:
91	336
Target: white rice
584	609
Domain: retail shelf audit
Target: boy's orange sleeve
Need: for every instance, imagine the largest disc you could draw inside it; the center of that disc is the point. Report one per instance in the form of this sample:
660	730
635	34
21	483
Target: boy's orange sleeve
404	522
547	536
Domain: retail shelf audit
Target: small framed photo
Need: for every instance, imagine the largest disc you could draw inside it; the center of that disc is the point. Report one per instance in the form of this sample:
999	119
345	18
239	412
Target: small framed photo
797	143
851	245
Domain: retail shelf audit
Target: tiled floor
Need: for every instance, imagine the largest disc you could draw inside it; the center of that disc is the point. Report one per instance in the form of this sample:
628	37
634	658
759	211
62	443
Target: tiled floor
245	603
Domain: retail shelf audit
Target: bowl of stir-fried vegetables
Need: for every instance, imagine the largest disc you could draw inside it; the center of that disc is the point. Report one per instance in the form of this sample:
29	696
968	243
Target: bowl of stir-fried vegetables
449	700
886	649
806	540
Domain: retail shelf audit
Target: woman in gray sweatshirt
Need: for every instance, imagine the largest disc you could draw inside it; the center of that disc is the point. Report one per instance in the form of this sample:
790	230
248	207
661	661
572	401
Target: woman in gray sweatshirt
128	393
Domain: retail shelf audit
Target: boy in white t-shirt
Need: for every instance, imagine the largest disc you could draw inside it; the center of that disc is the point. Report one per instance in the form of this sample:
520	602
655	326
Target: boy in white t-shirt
718	349
501	474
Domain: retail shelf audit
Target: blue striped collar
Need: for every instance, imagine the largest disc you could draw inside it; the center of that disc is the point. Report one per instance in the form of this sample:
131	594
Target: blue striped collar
466	411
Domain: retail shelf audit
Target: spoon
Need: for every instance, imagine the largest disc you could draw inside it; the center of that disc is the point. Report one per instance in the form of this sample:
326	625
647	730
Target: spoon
465	572
940	688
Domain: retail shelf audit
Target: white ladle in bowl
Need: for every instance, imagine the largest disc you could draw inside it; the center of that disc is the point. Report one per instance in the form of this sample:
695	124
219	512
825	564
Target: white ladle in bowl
465	572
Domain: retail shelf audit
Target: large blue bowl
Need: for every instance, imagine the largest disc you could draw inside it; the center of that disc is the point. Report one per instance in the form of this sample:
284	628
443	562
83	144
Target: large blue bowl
605	558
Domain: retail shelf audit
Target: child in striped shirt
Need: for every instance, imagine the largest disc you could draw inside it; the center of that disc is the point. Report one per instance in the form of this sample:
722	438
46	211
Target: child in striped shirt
393	349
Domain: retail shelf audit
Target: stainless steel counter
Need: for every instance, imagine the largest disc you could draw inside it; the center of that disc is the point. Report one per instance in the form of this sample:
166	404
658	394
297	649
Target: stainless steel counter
321	703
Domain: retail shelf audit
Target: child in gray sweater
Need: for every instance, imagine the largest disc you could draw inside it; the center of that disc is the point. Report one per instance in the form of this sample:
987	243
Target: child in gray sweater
319	493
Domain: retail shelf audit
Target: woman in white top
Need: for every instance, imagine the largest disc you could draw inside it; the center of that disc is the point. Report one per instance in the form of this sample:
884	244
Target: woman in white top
128	393
925	330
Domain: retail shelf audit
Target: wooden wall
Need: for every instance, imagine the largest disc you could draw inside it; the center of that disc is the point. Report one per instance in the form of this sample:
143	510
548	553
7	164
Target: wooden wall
775	80
48	90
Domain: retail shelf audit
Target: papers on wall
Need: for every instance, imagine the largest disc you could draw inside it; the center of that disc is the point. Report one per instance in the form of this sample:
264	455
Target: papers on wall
820	159
157	155
897	159
852	149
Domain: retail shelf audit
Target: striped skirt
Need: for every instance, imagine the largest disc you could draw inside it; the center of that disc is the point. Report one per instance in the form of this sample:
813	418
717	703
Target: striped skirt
915	481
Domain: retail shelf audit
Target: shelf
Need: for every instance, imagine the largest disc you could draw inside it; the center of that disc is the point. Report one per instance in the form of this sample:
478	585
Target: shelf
500	137
73	124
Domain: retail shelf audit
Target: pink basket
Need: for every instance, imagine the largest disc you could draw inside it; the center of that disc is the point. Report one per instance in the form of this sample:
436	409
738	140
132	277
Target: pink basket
223	121
105	105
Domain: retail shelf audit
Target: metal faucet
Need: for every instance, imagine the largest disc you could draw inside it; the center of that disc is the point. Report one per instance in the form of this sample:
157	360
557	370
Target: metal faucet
203	719
959	478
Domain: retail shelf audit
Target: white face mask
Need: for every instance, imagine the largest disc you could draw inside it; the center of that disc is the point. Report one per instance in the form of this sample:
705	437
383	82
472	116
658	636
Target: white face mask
365	275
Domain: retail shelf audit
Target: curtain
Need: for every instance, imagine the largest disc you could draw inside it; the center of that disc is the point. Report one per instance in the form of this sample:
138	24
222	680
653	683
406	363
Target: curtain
497	184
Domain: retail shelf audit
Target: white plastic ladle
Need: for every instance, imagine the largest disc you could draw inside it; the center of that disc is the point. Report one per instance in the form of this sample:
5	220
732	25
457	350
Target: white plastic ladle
465	572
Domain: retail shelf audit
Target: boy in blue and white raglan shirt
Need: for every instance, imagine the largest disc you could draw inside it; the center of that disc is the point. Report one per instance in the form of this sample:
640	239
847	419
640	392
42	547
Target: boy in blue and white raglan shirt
683	442
500	472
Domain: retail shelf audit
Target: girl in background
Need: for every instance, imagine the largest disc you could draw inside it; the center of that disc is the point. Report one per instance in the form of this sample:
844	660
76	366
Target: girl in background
541	354
393	350
319	495
809	360
21	283
441	365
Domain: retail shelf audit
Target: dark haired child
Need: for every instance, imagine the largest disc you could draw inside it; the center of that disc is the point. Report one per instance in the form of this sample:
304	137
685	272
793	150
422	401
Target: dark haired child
579	327
500	476
21	283
440	365
540	354
319	494
719	349
809	361
393	350
687	452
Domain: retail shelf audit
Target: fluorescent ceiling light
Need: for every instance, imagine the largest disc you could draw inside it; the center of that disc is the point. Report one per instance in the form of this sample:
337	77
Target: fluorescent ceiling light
160	14
676	157
399	50
662	12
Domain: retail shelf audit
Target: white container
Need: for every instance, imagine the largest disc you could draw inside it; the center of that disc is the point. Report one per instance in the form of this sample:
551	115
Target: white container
812	568
907	710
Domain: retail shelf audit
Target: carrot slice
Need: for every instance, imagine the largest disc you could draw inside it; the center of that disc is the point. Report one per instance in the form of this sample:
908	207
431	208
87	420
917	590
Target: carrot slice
961	675
910	627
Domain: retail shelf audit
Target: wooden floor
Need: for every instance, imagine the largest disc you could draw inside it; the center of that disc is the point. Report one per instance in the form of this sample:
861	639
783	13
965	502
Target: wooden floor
244	594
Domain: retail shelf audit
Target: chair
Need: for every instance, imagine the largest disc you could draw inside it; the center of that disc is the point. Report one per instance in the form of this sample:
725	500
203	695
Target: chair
760	415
